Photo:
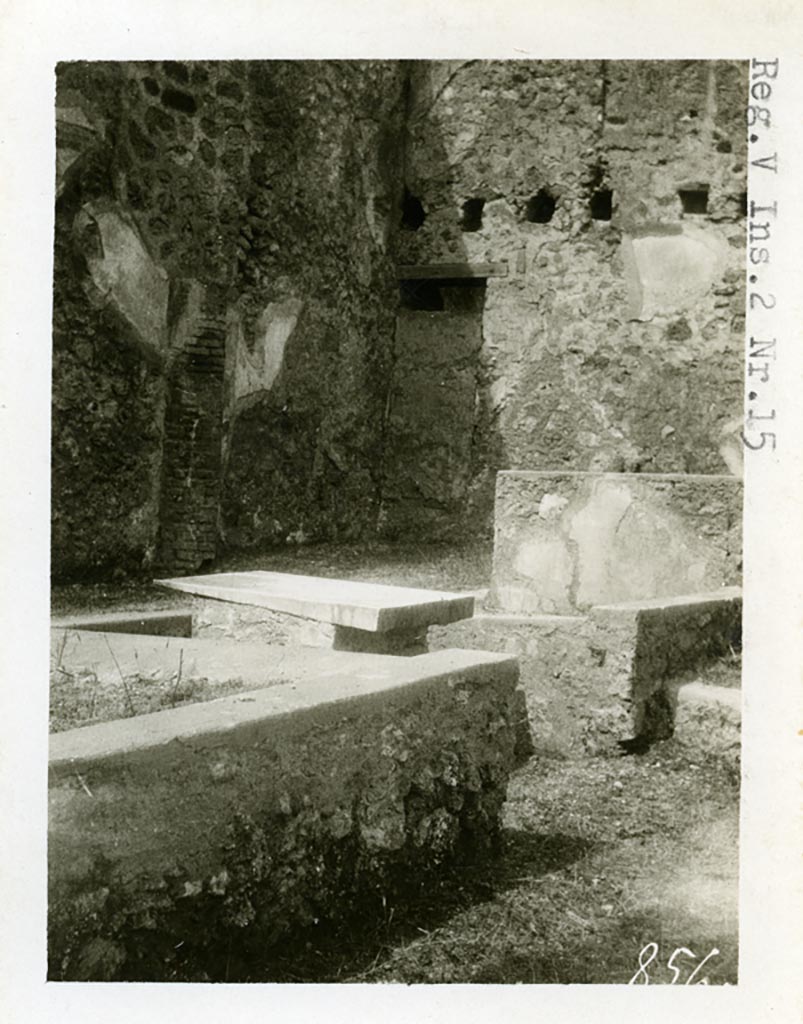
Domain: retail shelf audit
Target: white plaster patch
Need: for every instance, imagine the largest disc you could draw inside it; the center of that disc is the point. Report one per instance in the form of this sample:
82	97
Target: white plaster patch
630	547
551	506
593	529
731	448
669	273
257	370
498	392
548	564
126	275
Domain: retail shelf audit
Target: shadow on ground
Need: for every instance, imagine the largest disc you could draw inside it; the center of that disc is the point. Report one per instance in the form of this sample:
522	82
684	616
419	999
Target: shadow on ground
348	950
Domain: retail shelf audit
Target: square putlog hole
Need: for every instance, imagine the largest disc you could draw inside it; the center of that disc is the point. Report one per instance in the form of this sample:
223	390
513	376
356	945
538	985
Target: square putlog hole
694	200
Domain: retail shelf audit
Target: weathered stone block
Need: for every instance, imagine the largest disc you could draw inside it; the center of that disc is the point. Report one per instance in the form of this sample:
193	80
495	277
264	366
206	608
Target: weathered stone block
567	541
569	707
708	720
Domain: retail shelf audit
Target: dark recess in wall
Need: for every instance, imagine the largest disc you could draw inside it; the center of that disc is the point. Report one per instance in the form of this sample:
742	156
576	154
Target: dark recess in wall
421	294
413	215
694	200
471	219
602	204
428	294
540	207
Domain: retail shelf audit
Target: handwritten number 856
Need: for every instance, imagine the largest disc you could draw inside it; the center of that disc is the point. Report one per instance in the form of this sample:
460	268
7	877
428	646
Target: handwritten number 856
650	951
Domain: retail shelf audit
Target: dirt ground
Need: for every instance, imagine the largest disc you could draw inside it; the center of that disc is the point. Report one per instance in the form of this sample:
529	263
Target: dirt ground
84	699
605	865
602	858
439	566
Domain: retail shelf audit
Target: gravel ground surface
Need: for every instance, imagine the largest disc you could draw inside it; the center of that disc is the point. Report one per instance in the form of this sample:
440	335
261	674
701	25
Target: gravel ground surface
604	864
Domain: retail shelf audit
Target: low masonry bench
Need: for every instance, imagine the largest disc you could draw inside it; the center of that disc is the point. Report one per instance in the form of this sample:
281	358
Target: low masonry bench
291	609
595	680
611	588
187	838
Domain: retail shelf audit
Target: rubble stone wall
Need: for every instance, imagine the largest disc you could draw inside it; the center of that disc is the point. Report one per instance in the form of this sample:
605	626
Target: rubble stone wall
235	215
615	193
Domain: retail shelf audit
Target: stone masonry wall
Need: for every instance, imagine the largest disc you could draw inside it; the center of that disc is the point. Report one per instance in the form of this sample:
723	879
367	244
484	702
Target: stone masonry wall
311	334
108	379
255	195
191	465
282	195
615	193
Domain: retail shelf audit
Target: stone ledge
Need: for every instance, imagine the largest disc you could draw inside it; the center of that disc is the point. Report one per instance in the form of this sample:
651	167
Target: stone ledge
315	680
707	719
705	695
670	605
176	622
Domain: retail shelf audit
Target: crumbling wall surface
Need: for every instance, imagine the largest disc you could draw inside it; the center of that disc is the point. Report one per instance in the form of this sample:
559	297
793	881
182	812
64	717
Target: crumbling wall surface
222	304
615	193
108	384
313	330
188	860
431	457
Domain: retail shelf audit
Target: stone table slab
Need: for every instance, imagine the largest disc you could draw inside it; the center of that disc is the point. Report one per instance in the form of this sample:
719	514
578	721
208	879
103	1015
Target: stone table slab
371	607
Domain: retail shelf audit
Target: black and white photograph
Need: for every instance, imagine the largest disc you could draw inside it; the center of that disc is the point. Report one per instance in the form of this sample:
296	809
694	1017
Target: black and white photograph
410	424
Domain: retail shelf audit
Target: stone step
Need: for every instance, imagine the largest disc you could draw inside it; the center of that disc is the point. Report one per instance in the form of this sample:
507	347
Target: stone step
708	718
